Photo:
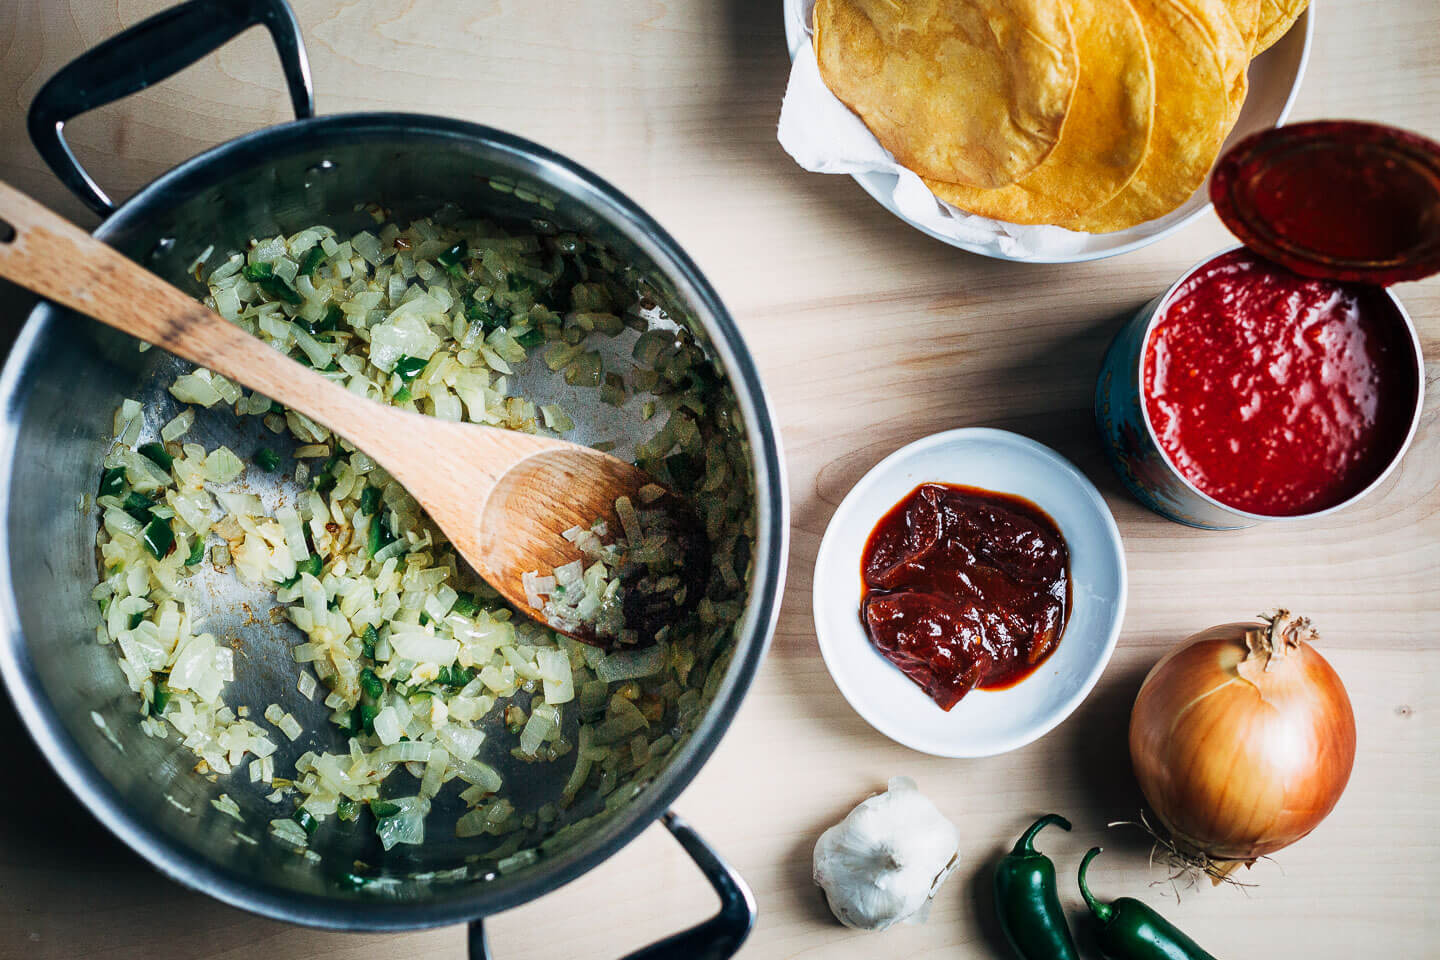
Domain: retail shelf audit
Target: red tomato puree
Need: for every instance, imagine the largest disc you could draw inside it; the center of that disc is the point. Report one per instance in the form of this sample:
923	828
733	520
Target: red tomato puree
965	588
1278	394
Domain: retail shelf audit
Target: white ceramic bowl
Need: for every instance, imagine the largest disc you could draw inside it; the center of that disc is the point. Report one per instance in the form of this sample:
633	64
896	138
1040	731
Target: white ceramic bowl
1274	83
985	722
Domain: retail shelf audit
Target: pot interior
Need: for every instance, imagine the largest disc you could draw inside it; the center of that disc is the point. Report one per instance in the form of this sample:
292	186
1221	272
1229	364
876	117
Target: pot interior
64	382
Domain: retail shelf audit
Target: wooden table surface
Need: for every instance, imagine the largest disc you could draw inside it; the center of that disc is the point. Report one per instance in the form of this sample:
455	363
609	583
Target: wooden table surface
869	335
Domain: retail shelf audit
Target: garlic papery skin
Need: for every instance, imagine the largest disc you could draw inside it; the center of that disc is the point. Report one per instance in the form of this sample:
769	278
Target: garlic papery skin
884	862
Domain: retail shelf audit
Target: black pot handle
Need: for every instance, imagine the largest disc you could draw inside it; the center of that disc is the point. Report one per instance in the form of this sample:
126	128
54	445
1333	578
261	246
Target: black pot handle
145	54
716	939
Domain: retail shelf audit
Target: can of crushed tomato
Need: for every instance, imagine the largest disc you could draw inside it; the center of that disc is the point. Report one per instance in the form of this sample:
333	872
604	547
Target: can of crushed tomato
1281	379
1185	467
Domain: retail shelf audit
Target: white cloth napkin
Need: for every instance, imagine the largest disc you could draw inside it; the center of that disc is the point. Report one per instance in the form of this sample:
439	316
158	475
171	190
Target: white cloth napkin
824	136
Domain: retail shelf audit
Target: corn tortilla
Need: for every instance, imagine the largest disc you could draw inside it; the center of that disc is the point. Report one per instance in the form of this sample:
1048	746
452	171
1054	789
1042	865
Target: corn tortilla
1192	110
1246	14
1233	45
1276	18
1106	131
967	91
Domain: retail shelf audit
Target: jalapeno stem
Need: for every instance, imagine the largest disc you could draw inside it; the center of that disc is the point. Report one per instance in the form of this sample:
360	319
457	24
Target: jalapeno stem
1102	911
1026	843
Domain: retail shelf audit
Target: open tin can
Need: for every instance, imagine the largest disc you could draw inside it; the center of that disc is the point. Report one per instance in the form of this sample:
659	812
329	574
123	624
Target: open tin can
1342	206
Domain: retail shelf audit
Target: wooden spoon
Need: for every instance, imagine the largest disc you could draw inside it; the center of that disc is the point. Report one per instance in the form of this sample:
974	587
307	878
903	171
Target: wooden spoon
501	497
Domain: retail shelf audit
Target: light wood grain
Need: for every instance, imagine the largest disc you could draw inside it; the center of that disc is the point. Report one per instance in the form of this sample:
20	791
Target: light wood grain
503	498
869	336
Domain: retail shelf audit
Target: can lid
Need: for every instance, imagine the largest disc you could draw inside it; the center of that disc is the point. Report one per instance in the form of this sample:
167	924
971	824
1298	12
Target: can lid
1336	199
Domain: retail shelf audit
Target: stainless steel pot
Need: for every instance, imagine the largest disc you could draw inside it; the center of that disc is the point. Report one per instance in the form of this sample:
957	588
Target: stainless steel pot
66	374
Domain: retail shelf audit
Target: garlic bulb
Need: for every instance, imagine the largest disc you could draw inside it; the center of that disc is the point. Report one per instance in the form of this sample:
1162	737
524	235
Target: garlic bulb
884	862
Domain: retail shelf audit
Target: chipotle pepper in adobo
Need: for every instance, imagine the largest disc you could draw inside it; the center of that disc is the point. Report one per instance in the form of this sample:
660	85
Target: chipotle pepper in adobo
965	588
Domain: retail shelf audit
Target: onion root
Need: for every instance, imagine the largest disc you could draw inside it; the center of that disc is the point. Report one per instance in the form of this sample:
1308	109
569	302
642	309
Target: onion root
1186	865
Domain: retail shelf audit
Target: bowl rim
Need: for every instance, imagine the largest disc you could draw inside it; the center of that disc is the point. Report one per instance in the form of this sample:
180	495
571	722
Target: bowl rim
875	183
240	889
1092	500
1157	311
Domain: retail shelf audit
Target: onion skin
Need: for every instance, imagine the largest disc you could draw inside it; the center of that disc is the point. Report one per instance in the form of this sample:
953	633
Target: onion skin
1236	759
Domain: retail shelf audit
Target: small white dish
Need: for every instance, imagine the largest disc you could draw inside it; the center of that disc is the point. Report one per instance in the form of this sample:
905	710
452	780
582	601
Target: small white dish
1274	83
984	722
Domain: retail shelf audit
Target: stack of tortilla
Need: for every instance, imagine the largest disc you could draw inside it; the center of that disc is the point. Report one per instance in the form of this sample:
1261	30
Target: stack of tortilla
1094	115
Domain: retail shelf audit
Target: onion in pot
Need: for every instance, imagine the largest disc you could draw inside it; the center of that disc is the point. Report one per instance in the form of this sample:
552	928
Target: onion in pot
1242	739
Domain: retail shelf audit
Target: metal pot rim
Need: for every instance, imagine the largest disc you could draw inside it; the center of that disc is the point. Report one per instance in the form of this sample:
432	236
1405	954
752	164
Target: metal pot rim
1163	301
771	549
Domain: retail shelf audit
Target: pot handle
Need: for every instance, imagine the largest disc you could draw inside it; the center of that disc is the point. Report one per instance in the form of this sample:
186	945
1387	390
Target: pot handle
146	54
716	939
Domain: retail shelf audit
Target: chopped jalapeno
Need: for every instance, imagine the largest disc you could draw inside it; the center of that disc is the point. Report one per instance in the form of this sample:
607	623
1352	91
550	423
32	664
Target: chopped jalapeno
370	501
263	276
162	699
452	256
267	459
313	258
380	536
346	809
384	808
402	394
368	712
280	290
324	481
112	481
490	314
466	604
408	368
306	820
331	321
156	454
368	639
197	552
138	506
370	684
530	338
450	260
158	537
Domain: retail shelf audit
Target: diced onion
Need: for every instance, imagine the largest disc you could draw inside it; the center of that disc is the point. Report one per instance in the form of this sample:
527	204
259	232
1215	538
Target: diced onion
415	660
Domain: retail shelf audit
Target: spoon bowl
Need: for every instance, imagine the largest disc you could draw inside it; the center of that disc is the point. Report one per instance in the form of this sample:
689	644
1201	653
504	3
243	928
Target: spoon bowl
503	498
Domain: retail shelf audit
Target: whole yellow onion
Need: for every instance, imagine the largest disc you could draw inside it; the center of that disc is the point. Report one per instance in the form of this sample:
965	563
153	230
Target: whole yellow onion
1243	738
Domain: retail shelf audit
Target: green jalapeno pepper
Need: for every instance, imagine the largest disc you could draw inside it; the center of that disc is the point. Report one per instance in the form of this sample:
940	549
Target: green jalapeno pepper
1026	900
1129	930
